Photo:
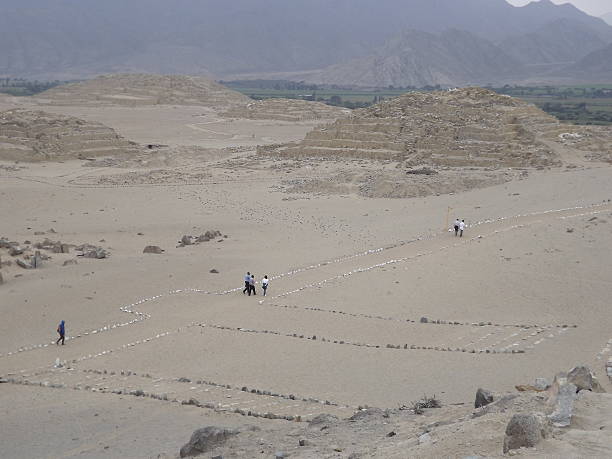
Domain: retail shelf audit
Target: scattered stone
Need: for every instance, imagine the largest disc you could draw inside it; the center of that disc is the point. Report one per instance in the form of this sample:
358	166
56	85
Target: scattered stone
525	430
214	271
191	401
153	249
391	434
23	264
186	240
323	419
424	320
582	377
425	438
70	262
302	442
541	384
206	439
15	251
483	398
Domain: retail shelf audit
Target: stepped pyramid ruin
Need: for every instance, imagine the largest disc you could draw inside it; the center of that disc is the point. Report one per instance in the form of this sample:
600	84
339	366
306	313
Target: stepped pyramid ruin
32	135
287	110
456	128
145	89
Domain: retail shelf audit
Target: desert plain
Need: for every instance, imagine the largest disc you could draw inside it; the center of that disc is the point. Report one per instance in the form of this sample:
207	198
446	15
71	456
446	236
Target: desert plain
373	303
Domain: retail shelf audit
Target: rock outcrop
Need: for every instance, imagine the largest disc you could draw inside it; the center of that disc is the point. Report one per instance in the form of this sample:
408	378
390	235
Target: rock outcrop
525	430
205	439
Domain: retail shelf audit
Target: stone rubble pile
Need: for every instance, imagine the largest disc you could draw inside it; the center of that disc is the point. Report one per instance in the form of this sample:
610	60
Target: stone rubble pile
205	237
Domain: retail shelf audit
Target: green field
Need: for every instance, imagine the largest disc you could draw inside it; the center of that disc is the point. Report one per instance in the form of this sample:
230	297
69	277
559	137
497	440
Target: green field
581	104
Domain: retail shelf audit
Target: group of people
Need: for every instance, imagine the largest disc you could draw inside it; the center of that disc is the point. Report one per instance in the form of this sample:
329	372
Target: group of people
459	227
250	282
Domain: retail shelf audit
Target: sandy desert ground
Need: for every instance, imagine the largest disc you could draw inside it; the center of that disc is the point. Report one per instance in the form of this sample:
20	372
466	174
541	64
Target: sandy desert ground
524	294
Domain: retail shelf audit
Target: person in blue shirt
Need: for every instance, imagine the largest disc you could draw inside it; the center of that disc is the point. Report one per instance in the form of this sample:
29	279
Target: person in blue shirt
61	329
247	283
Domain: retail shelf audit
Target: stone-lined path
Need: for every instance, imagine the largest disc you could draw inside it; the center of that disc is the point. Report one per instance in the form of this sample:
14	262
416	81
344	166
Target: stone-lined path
482	337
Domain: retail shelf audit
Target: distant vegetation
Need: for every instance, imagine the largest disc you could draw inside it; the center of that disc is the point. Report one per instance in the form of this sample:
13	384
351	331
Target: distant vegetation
331	95
587	104
23	87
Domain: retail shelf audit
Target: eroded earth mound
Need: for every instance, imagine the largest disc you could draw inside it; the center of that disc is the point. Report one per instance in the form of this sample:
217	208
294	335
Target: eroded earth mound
287	110
145	89
33	135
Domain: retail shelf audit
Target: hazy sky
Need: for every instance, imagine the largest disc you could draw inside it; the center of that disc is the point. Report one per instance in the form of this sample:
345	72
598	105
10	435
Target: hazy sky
593	7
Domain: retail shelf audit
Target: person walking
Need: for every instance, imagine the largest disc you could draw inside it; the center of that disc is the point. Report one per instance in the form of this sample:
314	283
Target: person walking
461	228
264	284
61	329
457	223
247	283
252	285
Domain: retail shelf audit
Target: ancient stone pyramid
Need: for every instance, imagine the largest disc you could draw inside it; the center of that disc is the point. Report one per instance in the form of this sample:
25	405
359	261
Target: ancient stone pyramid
32	135
145	89
287	110
461	127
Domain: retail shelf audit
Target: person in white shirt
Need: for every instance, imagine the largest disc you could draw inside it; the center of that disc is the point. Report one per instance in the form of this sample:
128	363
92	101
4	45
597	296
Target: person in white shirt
461	228
253	282
457	223
264	284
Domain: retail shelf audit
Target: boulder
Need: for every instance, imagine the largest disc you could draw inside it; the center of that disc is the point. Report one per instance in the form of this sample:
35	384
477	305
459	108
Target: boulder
153	249
525	430
541	384
1	279
70	262
15	251
609	368
583	378
206	439
202	238
186	240
97	253
23	264
483	398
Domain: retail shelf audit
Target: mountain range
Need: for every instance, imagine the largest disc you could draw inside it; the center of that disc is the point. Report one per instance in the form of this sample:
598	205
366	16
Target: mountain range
347	42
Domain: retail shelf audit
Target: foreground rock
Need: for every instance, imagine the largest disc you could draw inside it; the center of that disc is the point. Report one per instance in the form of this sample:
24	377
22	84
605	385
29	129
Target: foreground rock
206	439
583	378
153	249
525	430
483	398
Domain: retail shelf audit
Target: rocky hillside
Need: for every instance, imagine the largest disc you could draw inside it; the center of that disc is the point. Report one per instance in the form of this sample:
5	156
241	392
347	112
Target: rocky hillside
39	136
79	39
597	66
413	58
145	89
556	44
463	127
